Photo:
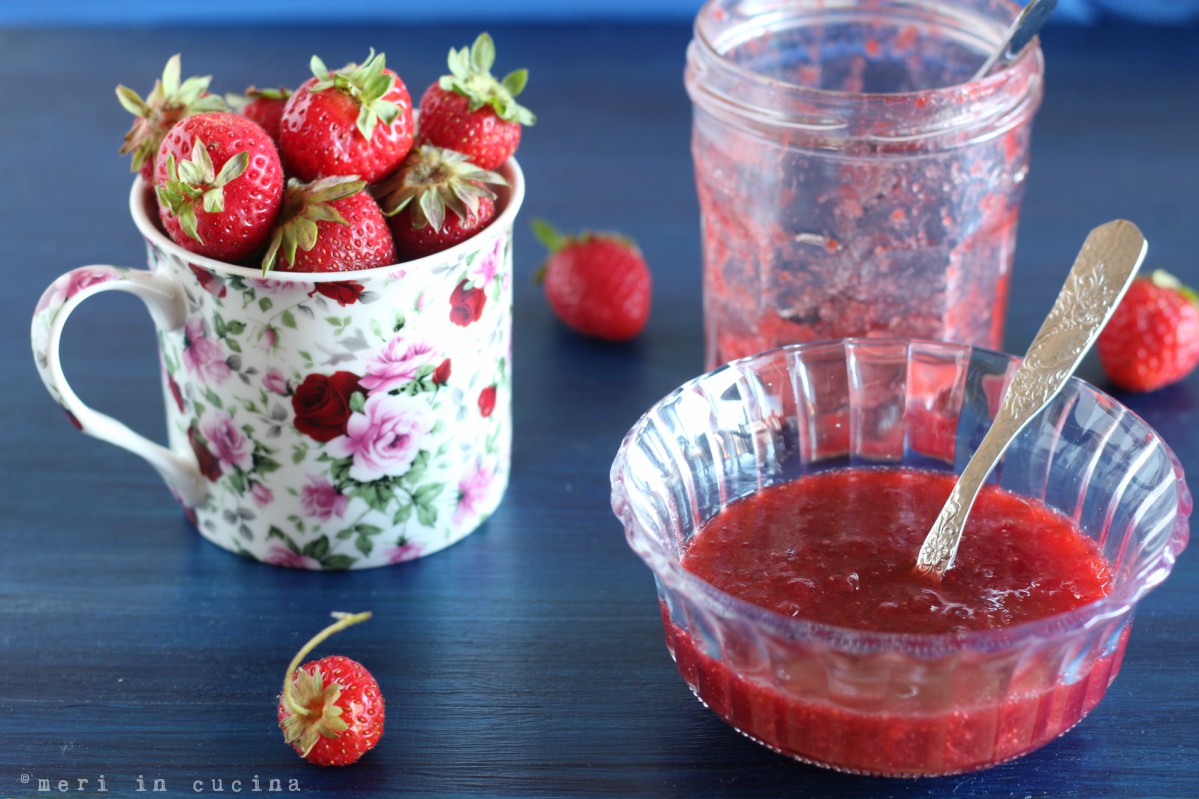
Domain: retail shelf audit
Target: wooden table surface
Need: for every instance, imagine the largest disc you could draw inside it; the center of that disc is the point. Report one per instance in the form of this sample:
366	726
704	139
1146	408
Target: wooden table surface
528	659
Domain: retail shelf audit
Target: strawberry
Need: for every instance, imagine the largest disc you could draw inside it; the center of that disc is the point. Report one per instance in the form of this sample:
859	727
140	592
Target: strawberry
219	184
1152	339
596	283
452	202
169	101
329	225
264	106
355	121
472	112
331	710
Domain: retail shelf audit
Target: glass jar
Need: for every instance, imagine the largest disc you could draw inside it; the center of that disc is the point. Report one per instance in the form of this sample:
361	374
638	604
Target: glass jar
853	178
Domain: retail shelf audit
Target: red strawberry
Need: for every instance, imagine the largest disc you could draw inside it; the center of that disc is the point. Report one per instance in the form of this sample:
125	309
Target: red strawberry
355	121
1152	339
452	202
597	283
219	184
331	710
167	103
329	225
472	112
264	106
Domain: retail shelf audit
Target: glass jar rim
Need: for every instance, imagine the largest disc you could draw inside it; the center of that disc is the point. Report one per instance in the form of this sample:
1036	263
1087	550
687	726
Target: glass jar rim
1032	52
946	113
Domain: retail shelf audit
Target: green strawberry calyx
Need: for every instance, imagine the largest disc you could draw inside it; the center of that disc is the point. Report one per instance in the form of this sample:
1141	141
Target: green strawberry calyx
238	102
313	712
366	84
170	100
1163	279
305	204
470	76
555	241
193	181
438	180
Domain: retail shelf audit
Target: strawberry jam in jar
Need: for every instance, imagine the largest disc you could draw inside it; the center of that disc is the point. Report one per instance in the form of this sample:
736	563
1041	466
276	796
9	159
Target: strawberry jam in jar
853	178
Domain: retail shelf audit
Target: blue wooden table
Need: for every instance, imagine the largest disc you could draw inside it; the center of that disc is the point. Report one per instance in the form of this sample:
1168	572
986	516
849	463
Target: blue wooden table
527	660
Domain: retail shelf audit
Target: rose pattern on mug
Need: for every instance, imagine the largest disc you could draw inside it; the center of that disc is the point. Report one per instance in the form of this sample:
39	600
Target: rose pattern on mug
334	423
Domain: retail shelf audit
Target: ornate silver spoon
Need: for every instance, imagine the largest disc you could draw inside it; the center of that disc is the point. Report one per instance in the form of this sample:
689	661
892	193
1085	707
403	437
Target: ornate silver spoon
1022	31
1106	264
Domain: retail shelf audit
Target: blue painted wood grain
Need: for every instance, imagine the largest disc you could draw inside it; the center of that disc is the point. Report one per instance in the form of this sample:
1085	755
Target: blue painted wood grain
528	659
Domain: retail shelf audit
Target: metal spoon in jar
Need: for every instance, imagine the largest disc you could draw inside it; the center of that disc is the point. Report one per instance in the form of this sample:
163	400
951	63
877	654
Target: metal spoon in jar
1106	264
1022	31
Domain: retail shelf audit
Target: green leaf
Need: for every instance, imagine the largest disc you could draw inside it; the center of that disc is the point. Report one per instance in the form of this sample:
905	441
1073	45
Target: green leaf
482	53
298	453
235	327
337	562
427	493
402	514
131	101
357	402
170	75
233	168
515	81
318	548
426	515
219	328
214	200
265	464
548	235
288	319
364	545
275	532
265	303
318	68
367	529
232	344
187	221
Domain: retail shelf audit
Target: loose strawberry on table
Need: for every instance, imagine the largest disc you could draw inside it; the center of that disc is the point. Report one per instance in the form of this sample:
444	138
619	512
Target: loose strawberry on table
473	113
597	283
329	225
354	121
219	184
169	101
331	710
1152	339
436	199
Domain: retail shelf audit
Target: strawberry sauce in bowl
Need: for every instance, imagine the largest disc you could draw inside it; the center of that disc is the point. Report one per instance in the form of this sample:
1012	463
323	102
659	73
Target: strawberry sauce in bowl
780	501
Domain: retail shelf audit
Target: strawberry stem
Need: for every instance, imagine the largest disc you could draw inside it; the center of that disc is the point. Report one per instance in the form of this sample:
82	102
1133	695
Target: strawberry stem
344	620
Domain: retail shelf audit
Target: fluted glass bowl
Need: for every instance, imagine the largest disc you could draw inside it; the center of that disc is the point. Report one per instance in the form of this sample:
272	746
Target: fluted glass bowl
895	704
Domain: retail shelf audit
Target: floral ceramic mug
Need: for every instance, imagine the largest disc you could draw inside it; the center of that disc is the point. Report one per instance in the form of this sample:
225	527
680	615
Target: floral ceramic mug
319	421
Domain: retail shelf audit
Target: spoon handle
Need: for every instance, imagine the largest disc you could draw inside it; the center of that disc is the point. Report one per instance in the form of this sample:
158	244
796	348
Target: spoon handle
1022	31
1106	264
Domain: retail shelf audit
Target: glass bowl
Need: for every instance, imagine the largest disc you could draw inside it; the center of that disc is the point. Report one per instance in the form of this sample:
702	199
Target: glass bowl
893	704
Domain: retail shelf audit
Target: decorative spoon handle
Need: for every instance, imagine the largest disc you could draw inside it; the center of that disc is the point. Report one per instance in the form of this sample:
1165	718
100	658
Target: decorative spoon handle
1106	264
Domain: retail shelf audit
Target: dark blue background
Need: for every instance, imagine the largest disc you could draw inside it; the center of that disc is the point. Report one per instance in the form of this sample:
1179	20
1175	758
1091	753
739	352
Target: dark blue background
528	659
125	12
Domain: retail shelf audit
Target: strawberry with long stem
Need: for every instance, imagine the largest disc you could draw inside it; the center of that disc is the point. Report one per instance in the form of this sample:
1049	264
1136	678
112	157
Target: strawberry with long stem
330	710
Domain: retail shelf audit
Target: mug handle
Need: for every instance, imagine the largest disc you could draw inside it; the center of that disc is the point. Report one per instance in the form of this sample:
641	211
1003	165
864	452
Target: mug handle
168	307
